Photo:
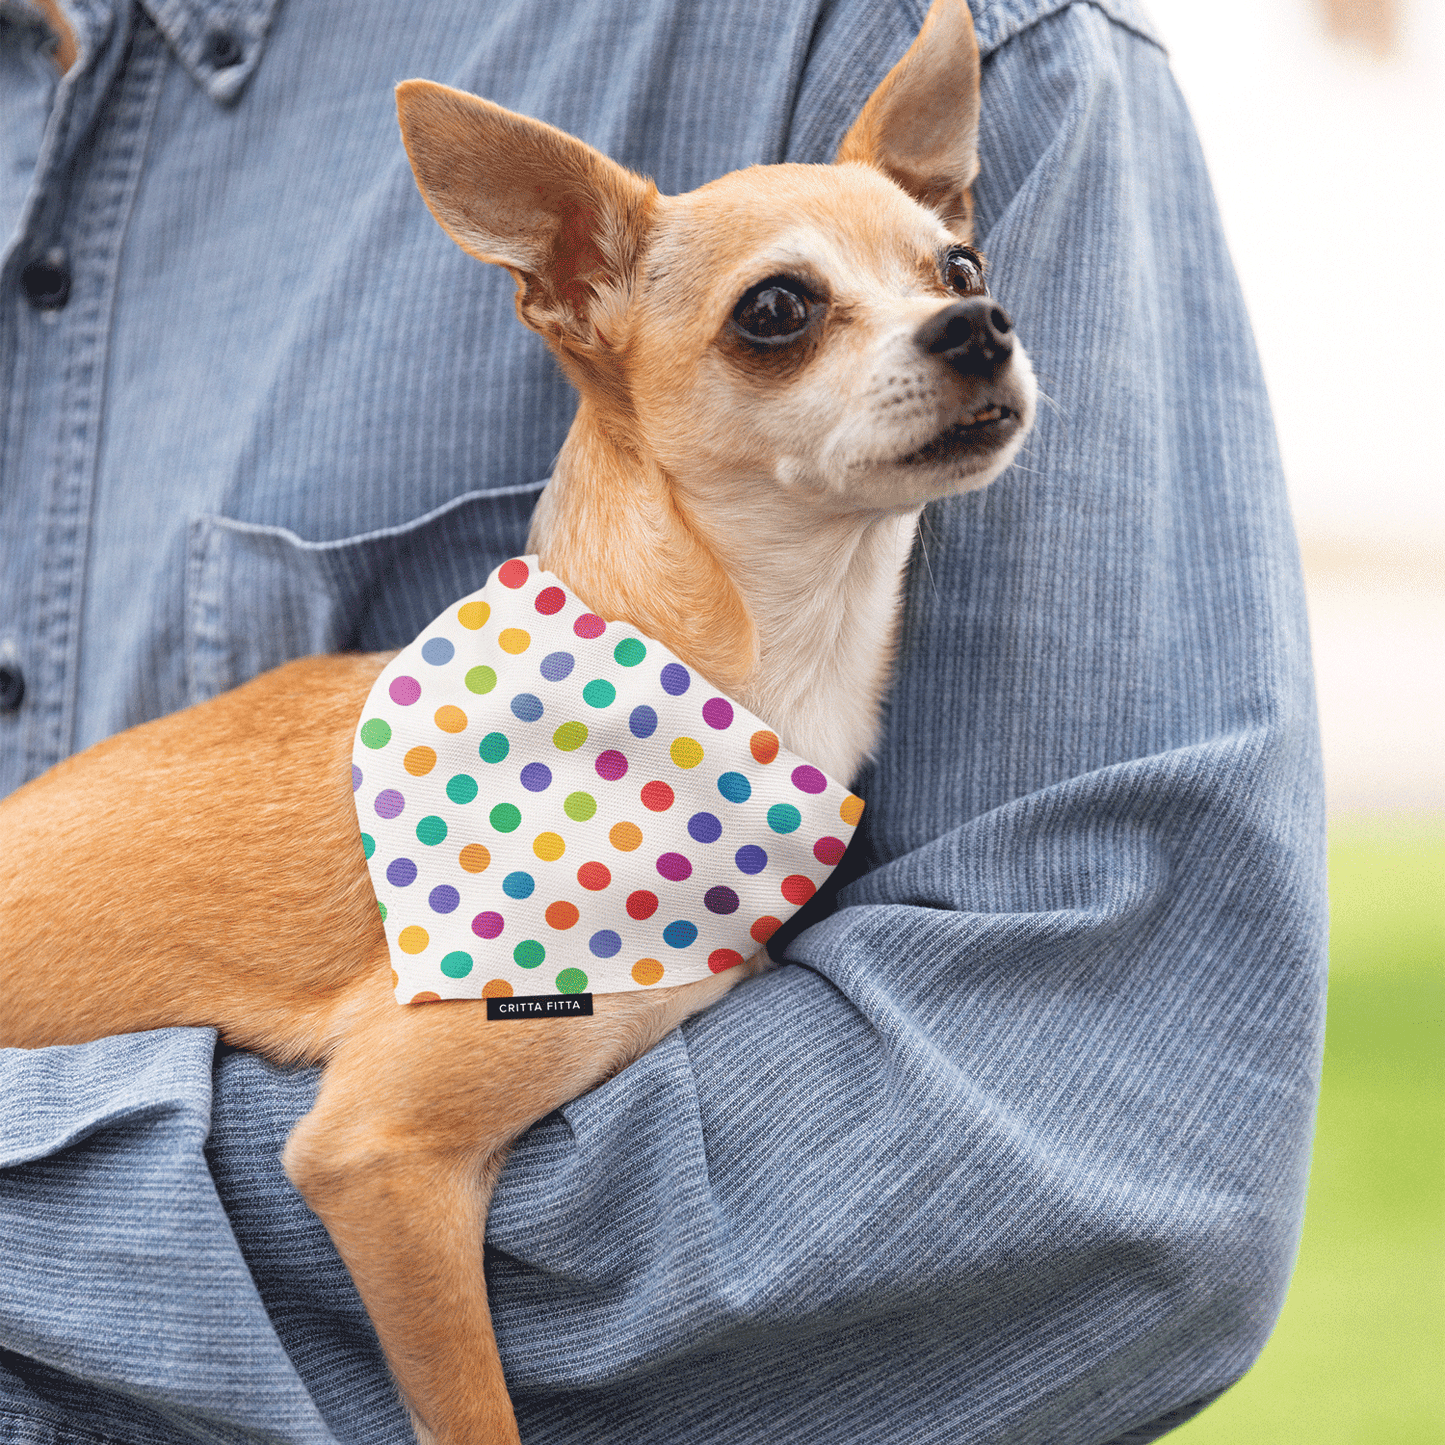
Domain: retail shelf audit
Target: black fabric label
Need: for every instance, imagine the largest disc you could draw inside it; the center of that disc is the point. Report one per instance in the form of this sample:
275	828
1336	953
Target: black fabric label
541	1006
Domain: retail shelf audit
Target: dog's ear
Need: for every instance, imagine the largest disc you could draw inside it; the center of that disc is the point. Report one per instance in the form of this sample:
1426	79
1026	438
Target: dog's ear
566	221
920	127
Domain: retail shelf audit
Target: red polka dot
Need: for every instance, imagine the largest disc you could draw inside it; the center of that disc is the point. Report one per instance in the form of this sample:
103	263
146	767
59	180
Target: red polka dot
657	796
550	600
589	625
828	851
595	876
764	928
641	904
721	959
513	574
797	889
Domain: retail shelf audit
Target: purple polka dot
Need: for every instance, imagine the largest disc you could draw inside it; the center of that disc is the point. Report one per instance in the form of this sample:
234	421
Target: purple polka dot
807	779
401	872
487	925
557	665
404	691
389	803
676	679
704	828
604	943
536	777
444	898
355	777
643	721
674	867
611	765
717	712
751	859
720	900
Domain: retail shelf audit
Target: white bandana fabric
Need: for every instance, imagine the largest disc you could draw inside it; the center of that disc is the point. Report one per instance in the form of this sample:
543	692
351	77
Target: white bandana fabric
550	802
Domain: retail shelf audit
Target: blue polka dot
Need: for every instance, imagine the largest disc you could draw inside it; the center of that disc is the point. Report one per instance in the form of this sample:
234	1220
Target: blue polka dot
680	933
518	885
437	651
676	679
536	777
604	943
704	827
556	665
751	859
734	787
444	898
643	722
527	706
401	872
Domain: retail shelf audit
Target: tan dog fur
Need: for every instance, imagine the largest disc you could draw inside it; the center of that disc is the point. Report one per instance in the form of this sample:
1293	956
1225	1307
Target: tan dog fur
769	512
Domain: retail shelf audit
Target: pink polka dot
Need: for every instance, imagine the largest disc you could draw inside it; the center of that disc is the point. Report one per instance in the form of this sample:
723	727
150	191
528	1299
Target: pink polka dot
828	851
487	925
513	574
717	712
674	867
404	691
589	625
611	765
807	779
550	600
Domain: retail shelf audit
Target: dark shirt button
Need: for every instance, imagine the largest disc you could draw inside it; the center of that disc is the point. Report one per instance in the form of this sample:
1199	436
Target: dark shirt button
223	50
12	686
46	280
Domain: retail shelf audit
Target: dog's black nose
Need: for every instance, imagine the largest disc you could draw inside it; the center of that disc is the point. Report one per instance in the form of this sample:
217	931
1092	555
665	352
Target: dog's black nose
975	337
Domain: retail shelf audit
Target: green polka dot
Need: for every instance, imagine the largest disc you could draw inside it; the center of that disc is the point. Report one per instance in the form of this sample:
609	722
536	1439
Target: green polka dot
528	953
570	736
599	693
462	788
579	806
382	907
376	732
480	679
629	652
571	980
506	818
431	831
783	818
457	965
494	747
368	844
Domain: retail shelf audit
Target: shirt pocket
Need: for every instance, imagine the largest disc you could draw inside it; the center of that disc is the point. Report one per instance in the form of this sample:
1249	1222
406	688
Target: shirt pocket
257	596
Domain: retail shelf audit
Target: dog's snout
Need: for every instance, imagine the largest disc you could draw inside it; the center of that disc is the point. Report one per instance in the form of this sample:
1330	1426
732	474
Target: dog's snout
975	337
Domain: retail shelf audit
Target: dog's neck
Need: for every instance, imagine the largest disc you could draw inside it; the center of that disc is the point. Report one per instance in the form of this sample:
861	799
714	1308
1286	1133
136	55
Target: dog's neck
790	609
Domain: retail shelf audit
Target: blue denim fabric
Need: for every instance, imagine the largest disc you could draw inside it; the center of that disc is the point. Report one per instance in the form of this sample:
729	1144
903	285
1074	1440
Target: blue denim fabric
1013	1148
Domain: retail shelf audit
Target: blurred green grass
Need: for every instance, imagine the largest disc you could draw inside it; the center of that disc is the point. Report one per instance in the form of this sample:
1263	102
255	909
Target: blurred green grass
1359	1352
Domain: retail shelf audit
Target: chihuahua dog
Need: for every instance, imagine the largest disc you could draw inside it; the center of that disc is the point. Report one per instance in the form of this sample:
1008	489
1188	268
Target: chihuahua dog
776	372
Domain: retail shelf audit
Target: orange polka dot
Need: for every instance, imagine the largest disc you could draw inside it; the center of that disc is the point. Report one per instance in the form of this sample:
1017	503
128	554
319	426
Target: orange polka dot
475	858
451	719
395	978
625	837
496	988
764	745
426	996
420	761
646	971
562	914
764	928
514	640
413	939
850	810
473	615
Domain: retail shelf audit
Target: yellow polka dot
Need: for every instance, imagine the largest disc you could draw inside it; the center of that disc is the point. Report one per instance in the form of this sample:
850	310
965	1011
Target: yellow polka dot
474	614
625	837
413	939
475	858
420	761
851	810
451	719
549	847
686	752
496	988
646	971
395	978
514	640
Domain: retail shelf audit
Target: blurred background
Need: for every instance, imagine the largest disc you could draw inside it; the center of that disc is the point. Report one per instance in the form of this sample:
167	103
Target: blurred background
1324	125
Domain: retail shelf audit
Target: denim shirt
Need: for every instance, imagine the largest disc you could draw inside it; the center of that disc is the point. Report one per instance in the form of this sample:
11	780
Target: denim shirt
1013	1146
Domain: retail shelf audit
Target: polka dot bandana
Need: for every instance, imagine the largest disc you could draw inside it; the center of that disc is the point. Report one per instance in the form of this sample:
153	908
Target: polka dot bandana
553	802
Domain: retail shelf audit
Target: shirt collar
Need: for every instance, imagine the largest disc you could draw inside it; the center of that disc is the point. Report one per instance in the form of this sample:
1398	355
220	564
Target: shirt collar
219	42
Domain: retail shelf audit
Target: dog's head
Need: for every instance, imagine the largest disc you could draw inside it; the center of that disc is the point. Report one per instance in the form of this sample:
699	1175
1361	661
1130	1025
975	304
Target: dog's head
822	329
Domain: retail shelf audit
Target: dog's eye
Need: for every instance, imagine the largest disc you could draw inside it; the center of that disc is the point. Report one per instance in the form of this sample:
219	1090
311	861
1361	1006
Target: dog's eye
774	311
963	271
